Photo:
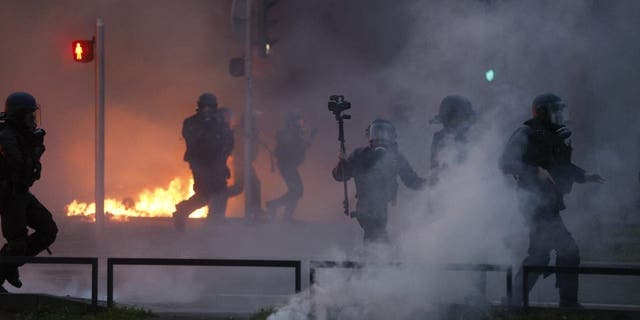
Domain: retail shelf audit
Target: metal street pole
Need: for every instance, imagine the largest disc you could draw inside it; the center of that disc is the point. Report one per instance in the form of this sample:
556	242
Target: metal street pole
248	113
99	125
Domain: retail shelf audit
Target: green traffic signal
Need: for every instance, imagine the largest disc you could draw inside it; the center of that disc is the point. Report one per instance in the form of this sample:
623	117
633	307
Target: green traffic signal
489	75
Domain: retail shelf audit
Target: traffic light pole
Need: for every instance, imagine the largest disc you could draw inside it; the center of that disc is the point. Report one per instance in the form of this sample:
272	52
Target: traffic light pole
248	114
99	125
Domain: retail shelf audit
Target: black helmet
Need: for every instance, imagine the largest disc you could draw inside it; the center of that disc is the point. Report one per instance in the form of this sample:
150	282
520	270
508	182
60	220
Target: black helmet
207	99
549	107
455	109
19	103
381	130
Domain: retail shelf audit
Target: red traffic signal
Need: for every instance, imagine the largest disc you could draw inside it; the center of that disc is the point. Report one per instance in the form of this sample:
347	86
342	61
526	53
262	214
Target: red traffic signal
82	50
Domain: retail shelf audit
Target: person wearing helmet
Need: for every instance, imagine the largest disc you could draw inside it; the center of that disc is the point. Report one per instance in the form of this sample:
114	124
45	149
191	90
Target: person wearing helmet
291	144
456	116
375	169
209	141
538	156
21	147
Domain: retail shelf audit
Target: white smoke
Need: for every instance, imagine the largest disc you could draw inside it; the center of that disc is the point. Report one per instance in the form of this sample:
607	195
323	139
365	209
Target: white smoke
469	216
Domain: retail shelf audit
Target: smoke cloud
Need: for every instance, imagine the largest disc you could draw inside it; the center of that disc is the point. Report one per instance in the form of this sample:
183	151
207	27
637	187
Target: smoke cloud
392	60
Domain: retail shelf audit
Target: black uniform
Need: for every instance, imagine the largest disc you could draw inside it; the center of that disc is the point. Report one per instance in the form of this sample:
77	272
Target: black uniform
375	171
209	144
457	116
20	167
290	149
537	144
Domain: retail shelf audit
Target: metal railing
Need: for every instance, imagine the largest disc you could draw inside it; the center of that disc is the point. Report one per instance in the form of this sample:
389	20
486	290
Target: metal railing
313	265
111	262
63	260
600	270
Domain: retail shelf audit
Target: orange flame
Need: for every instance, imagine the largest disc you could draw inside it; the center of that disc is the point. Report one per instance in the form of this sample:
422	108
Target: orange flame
159	202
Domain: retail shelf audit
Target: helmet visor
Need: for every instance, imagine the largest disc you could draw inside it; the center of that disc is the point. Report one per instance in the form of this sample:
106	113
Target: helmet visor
382	131
558	113
33	119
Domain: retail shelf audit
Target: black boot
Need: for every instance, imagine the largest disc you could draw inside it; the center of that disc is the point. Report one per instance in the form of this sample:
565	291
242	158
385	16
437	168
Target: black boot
11	275
569	297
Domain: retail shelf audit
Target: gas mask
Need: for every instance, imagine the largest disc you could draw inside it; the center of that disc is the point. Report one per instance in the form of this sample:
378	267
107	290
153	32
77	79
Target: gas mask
382	135
558	113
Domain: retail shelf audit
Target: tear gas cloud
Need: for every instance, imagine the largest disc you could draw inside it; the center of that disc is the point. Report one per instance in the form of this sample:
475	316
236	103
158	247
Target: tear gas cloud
579	50
395	61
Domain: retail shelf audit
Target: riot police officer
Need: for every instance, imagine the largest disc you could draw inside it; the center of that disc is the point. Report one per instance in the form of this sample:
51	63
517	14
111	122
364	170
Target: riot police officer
456	115
209	141
375	169
291	145
538	155
22	145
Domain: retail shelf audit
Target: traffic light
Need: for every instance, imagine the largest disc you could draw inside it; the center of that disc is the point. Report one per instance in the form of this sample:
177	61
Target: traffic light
265	23
489	75
82	50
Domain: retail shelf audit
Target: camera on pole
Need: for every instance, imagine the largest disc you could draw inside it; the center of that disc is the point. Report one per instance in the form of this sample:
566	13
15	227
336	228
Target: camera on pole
337	105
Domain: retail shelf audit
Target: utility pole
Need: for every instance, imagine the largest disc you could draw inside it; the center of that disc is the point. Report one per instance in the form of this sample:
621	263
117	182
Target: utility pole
99	125
248	113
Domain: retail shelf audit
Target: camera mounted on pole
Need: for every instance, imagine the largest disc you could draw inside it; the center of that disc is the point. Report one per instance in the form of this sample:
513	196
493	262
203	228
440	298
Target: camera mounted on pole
337	105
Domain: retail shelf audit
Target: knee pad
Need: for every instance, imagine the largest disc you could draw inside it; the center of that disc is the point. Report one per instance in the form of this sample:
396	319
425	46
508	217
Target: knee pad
568	255
49	238
52	231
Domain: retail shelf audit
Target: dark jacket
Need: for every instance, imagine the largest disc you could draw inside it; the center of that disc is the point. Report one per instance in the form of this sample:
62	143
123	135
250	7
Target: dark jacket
375	175
20	152
536	144
208	141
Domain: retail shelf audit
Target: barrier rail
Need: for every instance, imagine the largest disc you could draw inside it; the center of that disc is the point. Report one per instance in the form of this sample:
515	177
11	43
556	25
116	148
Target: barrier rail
63	260
313	265
600	270
111	262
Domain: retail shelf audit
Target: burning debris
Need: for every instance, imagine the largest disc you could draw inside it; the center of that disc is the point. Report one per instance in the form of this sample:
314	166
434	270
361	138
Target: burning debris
159	202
